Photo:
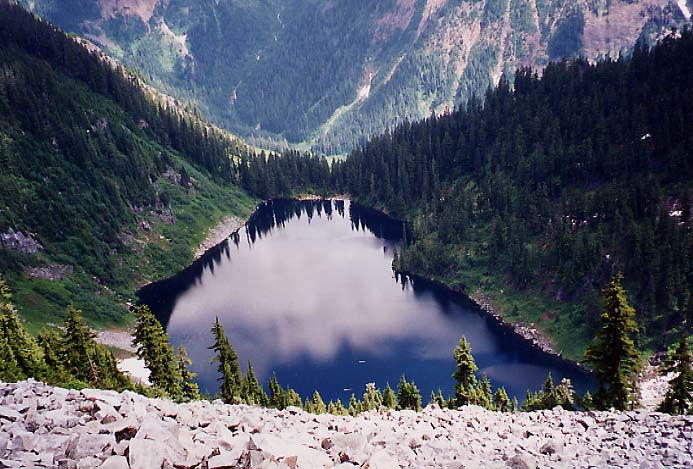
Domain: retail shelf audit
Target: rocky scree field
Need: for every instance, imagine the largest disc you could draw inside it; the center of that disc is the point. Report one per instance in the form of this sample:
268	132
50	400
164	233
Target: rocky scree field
42	426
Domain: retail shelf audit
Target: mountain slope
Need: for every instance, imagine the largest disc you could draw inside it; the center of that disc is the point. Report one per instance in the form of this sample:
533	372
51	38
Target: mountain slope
329	74
533	200
104	186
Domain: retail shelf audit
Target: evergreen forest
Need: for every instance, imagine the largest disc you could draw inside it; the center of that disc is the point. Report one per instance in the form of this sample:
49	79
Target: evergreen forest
536	196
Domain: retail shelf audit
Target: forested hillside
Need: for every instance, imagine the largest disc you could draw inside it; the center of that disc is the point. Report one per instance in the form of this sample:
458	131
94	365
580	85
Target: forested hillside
330	74
534	199
105	185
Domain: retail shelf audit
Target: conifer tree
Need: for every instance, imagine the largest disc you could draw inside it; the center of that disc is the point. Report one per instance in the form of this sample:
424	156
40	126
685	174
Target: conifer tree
372	399
586	402
501	401
77	347
309	406
227	359
26	358
293	399
484	393
277	396
89	361
679	396
354	406
613	356
340	409
52	346
389	397
408	395
253	393
465	379
153	347
190	391
318	404
9	368
549	397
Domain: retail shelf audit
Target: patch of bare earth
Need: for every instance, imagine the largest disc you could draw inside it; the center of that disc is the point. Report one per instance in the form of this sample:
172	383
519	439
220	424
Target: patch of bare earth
616	30
398	18
144	9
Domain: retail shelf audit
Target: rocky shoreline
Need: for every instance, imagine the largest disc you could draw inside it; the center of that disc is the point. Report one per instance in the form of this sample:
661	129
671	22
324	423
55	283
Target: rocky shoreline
42	426
219	233
528	332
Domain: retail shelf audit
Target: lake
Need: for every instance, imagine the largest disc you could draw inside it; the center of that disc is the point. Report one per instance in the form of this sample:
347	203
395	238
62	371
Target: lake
307	290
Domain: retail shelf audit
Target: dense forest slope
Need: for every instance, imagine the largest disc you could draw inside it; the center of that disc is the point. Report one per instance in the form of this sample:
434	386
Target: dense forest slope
534	199
328	73
104	184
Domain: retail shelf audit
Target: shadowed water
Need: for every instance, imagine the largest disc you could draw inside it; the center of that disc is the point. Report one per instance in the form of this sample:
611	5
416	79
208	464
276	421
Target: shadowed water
307	290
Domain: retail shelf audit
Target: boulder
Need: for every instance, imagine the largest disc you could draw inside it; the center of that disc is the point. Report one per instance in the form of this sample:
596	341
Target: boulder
8	413
148	453
276	448
381	460
115	462
224	460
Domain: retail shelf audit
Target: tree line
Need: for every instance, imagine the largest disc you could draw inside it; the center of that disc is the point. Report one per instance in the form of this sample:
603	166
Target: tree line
72	358
552	184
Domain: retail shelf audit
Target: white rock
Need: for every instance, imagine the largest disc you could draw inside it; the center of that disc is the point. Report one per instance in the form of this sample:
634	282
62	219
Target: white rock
224	460
148	453
277	448
8	413
381	460
115	462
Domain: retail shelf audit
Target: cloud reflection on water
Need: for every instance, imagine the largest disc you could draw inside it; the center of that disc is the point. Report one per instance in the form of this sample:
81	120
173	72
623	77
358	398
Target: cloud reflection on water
314	298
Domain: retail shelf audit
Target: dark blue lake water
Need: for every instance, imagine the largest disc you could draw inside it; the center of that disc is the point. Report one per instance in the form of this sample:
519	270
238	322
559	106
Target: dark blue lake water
306	289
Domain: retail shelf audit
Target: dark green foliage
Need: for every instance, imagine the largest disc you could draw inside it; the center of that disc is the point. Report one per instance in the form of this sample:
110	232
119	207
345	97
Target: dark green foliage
85	148
389	397
337	408
292	398
24	356
251	390
72	360
271	176
566	42
153	347
551	396
316	405
10	369
277	395
465	379
438	399
679	396
484	393
613	357
501	401
372	398
227	360
585	402
354	406
408	395
550	187
190	391
78	352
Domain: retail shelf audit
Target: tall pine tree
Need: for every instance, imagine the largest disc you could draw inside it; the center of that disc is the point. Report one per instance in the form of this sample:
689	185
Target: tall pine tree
613	356
227	360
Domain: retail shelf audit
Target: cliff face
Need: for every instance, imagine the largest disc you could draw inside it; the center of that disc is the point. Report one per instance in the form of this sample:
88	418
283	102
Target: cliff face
329	74
41	426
